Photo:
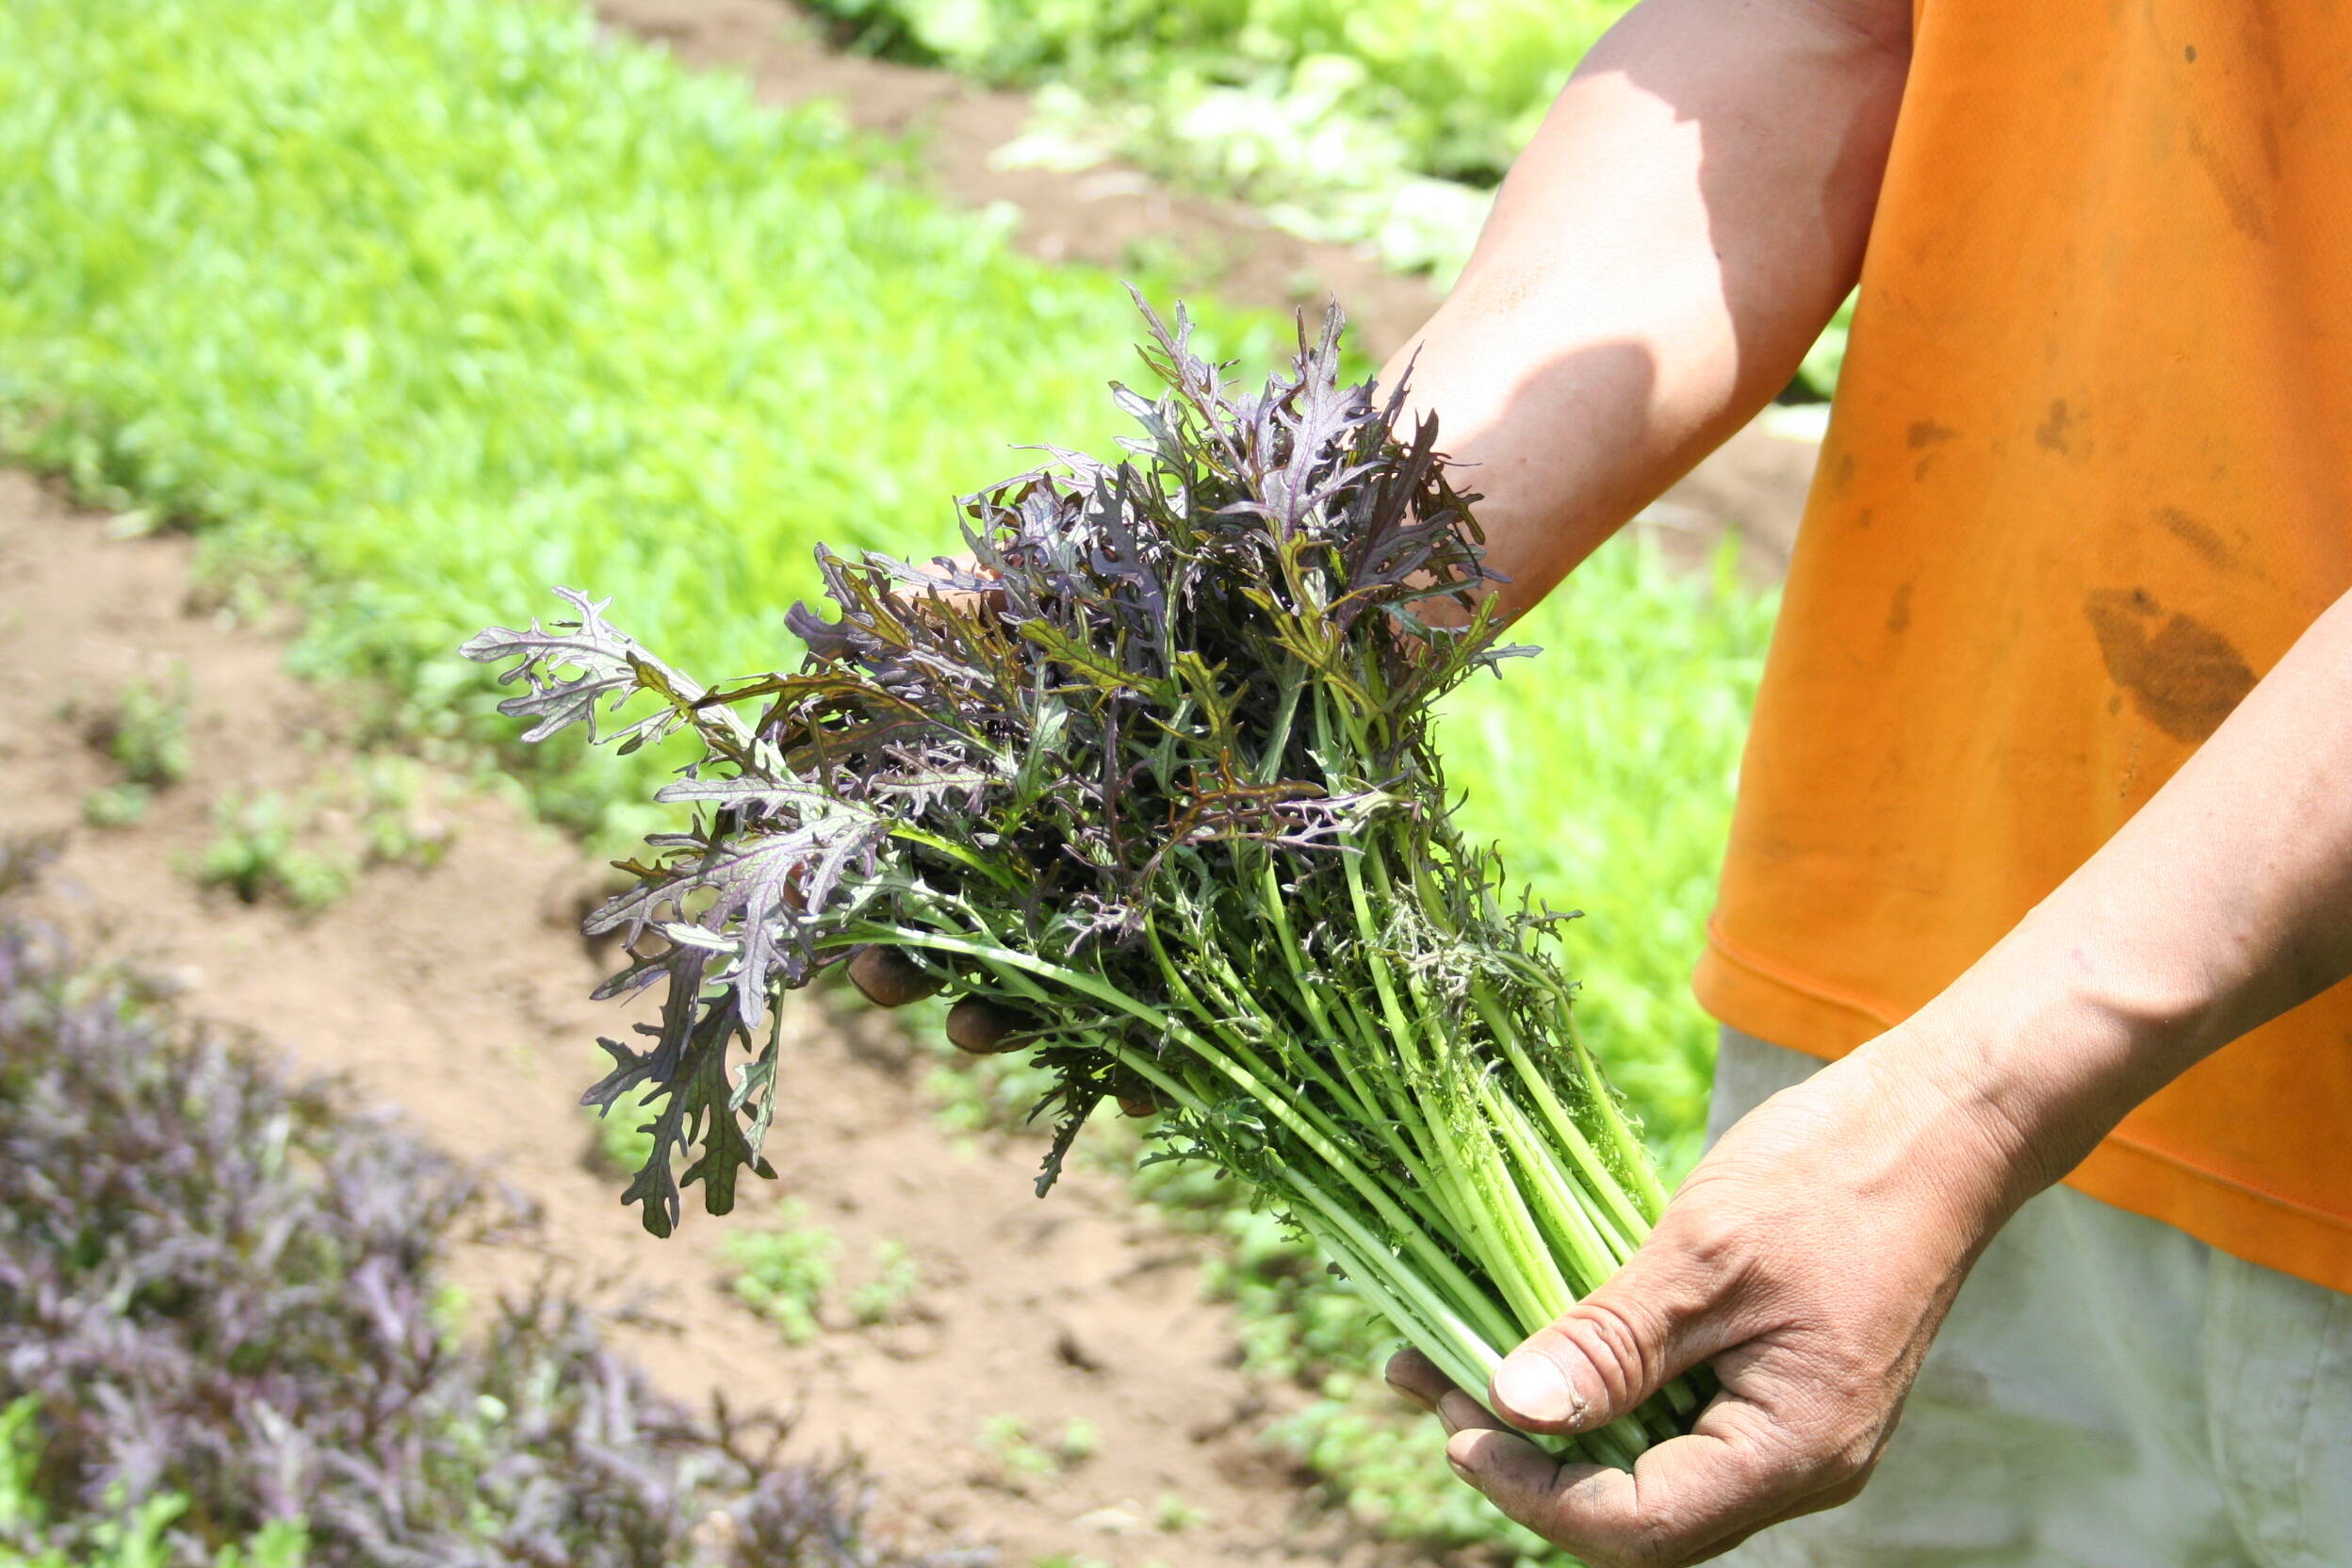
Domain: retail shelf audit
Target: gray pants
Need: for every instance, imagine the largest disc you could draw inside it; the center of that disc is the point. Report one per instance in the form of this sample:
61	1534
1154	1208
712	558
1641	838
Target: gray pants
2107	1393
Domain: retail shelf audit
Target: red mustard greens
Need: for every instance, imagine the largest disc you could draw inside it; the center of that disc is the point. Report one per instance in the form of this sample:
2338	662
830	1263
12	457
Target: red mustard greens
1154	766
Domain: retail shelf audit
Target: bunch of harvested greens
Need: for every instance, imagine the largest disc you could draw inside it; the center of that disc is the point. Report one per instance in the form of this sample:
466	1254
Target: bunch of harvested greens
1156	767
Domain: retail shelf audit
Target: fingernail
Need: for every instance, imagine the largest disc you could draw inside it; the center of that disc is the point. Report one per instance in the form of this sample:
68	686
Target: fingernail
1535	1387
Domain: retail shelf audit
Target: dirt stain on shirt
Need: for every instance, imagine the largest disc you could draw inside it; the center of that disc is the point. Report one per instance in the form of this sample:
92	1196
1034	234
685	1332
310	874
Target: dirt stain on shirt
2238	196
2051	434
2203	540
2182	675
1924	436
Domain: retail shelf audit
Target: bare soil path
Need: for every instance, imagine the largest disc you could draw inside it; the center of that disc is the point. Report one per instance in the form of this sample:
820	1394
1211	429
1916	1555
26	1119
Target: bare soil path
1754	485
458	994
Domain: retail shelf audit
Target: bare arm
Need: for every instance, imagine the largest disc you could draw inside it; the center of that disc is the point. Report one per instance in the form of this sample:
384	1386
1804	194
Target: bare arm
1660	258
2224	901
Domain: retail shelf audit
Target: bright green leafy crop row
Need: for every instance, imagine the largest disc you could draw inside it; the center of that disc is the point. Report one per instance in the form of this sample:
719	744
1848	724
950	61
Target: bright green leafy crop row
1383	124
443	302
1461	82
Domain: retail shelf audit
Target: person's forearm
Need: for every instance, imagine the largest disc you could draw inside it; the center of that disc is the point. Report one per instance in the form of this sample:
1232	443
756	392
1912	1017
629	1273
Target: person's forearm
2224	901
1659	261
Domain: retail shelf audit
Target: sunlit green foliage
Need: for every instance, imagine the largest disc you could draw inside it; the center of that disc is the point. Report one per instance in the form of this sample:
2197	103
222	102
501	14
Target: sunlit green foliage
437	302
1462	83
1384	123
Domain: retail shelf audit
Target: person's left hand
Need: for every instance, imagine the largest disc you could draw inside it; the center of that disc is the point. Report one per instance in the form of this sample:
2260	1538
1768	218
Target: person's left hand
889	978
1811	1258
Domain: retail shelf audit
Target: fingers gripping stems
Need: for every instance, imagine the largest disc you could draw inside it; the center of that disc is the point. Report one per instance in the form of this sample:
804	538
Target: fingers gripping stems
1684	1502
1417	1378
976	1025
1613	1350
889	978
983	1028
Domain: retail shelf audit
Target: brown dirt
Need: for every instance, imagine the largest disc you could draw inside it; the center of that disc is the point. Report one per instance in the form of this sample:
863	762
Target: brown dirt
458	994
1754	485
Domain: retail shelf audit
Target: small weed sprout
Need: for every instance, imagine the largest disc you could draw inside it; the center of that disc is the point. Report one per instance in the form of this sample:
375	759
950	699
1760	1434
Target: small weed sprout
885	1297
144	732
1173	1515
1079	1440
307	850
257	855
399	826
116	806
782	1273
1015	1460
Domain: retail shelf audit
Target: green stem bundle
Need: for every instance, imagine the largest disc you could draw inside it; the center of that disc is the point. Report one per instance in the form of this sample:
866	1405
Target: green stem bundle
1157	771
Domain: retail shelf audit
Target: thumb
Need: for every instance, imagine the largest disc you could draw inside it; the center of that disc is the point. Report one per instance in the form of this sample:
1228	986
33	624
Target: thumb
1651	1321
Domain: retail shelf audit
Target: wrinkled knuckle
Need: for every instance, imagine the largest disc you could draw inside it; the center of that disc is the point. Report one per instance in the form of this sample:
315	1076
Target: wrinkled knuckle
1834	1468
1613	1345
1839	1494
1716	1243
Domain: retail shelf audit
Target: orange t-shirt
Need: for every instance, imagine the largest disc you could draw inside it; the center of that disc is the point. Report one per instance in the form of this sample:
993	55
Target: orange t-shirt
2088	476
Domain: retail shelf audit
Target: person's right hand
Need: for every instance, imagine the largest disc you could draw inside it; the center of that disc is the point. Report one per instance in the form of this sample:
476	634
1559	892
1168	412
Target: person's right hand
1810	1257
